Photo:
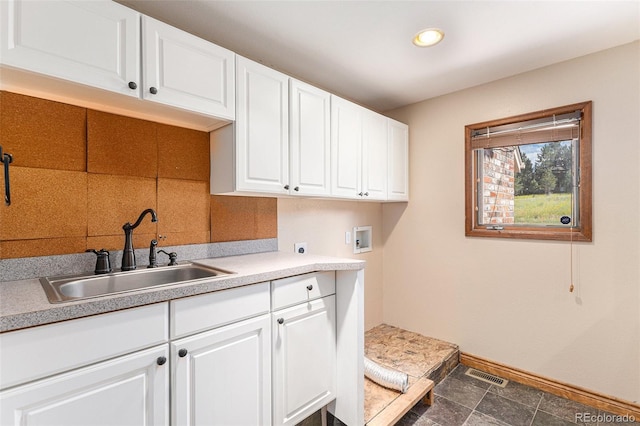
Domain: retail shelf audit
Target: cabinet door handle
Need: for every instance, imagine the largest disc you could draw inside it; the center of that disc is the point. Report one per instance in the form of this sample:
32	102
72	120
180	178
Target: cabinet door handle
297	188
360	194
310	287
286	187
280	320
133	85
182	353
161	360
366	194
153	90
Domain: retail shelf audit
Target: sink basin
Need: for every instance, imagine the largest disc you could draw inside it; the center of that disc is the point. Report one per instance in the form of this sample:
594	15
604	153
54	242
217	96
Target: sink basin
68	288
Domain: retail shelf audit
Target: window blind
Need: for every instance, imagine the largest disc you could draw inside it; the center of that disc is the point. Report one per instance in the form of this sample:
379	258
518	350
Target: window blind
549	129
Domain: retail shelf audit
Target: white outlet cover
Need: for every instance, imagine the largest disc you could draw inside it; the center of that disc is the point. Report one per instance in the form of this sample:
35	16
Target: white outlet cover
298	246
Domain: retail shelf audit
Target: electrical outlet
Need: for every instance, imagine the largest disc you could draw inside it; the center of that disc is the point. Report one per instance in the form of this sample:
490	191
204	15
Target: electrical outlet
300	248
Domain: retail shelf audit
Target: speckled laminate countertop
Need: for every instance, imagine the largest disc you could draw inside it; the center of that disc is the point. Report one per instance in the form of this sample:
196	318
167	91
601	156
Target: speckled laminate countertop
24	304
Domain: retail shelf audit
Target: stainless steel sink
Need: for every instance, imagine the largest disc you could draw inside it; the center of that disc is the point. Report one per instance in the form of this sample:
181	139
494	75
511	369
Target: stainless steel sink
68	288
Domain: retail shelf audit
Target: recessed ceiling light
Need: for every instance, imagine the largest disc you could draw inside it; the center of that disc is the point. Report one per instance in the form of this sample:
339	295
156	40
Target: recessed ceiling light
428	37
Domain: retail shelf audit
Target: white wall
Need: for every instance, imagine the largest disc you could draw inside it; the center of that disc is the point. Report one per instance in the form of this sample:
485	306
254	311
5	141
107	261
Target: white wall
506	300
322	225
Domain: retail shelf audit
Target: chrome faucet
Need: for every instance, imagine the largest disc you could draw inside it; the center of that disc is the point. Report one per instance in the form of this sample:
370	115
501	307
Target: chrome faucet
128	255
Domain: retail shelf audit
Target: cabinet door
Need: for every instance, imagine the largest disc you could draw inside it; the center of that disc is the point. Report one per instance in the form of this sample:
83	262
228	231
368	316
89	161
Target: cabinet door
304	364
262	128
73	344
224	377
92	43
398	186
129	390
346	141
374	156
185	71
309	145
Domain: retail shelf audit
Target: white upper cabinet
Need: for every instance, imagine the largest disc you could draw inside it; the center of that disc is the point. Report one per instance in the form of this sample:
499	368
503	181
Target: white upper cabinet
289	138
183	70
374	156
96	43
359	151
398	183
280	143
261	129
309	147
65	50
346	148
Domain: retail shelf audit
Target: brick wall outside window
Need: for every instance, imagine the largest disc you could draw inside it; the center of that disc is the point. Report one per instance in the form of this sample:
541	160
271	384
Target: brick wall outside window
498	193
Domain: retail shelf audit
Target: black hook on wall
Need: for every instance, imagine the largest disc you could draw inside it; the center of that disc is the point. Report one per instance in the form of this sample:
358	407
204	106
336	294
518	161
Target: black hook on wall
6	159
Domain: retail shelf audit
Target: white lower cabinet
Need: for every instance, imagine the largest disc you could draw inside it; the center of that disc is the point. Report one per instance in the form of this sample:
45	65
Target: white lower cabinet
260	354
109	369
304	359
128	390
222	377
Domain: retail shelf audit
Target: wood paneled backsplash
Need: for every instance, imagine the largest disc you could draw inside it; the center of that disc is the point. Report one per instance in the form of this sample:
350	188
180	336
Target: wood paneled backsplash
79	174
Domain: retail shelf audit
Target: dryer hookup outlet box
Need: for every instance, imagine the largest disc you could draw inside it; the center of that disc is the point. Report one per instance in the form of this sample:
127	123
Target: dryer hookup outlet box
362	239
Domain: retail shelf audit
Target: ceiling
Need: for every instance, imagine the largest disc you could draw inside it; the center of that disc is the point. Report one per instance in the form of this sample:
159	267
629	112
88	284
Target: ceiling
362	50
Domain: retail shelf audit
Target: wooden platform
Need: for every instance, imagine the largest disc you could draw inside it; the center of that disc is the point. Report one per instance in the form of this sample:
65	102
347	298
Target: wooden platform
424	359
400	405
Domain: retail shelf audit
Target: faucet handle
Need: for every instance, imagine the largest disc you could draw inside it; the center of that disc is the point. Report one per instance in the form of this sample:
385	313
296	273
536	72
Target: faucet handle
100	252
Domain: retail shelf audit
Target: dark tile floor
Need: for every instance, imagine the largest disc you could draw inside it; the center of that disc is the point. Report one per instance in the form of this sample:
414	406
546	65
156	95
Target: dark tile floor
461	400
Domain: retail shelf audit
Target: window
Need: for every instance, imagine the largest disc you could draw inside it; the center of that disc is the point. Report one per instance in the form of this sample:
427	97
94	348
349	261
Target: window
530	176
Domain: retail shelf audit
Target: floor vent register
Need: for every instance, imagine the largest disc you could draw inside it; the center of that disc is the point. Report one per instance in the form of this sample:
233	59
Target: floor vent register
486	377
